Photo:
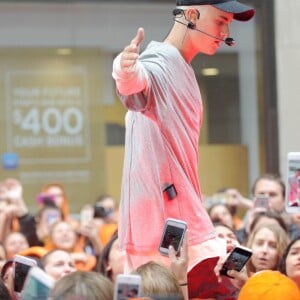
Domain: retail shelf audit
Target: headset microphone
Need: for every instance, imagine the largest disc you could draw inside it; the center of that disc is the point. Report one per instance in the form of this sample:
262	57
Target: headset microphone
228	41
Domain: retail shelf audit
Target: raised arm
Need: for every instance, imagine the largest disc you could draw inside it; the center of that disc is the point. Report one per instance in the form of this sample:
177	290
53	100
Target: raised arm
128	72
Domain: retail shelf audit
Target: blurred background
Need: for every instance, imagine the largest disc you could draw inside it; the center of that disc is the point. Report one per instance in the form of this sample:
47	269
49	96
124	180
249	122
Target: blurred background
61	121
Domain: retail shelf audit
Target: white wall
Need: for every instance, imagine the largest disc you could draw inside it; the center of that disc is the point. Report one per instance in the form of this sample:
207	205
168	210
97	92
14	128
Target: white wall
108	26
287	22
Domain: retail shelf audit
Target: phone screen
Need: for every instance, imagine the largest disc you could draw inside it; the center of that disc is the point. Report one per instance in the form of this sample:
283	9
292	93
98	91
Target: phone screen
52	217
236	260
20	272
261	201
293	183
126	291
127	286
173	236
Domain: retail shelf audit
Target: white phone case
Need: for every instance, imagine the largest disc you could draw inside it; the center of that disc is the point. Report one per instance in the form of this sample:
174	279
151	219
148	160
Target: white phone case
173	233
21	265
25	260
292	200
127	286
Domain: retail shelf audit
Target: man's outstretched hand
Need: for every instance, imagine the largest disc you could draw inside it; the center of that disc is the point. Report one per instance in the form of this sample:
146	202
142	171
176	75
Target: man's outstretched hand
131	52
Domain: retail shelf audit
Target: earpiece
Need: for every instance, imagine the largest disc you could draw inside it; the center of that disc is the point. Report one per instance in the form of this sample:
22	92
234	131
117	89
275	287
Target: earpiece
191	25
179	12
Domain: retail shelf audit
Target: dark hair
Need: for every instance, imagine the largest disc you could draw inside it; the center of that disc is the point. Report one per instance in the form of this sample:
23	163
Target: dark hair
216	224
270	215
218	204
282	263
272	177
4	292
224	225
8	264
102	263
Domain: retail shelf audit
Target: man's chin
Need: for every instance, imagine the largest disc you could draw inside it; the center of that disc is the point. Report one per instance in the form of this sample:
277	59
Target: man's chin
210	51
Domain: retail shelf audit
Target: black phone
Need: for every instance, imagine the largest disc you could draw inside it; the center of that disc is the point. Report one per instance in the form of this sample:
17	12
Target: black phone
101	211
236	260
21	267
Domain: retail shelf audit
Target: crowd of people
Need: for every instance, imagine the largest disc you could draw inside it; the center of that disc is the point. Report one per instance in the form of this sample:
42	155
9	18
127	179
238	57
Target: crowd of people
84	258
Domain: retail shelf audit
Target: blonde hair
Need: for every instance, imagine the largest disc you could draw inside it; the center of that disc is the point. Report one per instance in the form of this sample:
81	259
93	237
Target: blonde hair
82	285
158	280
281	238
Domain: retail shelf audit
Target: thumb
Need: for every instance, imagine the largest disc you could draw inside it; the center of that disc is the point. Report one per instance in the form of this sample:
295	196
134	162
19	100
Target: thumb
137	40
172	253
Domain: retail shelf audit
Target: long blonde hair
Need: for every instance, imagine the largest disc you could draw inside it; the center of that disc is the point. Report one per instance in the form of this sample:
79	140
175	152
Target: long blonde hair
281	238
158	280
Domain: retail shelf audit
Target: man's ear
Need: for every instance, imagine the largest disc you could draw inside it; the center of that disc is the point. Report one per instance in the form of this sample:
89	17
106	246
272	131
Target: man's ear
192	14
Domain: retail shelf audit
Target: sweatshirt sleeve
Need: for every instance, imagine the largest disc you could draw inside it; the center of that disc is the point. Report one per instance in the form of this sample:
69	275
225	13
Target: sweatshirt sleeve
131	82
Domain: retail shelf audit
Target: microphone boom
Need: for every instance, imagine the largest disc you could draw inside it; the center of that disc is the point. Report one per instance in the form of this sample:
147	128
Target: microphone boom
228	41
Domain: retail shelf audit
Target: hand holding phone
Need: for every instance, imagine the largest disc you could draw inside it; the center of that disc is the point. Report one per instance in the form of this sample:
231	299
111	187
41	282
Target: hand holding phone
236	260
179	263
173	234
21	265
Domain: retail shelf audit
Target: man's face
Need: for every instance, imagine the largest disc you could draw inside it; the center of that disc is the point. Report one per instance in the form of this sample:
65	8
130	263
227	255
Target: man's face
215	23
274	191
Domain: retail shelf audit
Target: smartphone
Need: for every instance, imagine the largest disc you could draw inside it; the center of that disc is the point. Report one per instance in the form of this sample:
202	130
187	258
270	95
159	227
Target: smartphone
86	215
43	198
102	212
173	234
37	285
127	286
292	203
262	201
52	216
236	260
21	267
